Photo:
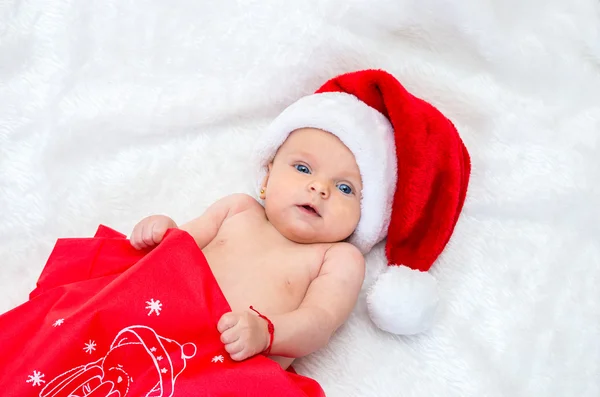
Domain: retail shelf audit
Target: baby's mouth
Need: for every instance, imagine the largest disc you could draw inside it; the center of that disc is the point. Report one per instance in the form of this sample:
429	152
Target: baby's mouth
310	209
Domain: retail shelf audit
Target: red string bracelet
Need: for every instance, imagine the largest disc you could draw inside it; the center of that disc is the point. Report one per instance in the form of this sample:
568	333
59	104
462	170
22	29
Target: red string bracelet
270	327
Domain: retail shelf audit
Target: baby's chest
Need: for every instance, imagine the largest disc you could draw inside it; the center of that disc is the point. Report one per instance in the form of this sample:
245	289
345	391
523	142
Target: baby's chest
256	274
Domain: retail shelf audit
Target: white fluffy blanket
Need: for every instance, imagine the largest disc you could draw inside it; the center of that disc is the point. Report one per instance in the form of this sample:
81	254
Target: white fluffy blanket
112	110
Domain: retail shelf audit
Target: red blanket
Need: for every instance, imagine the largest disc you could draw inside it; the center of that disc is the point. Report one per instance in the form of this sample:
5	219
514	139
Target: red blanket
107	320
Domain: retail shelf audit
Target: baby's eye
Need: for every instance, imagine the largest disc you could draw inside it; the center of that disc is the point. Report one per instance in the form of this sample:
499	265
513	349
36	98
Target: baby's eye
345	188
302	168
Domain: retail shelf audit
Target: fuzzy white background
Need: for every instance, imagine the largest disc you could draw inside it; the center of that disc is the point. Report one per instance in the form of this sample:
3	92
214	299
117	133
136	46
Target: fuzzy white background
113	110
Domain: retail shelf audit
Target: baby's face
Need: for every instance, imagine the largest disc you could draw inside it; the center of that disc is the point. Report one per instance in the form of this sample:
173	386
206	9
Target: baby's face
313	188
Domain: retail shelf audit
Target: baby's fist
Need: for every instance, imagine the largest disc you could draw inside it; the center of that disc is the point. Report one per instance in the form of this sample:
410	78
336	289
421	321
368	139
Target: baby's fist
150	231
243	334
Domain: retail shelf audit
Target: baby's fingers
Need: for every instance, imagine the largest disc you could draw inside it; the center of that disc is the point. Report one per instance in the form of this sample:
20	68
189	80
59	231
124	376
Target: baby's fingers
229	336
136	237
227	320
158	232
241	355
147	234
234	348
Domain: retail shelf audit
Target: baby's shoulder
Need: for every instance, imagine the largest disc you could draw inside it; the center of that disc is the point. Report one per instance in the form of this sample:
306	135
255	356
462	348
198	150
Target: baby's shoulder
344	252
345	248
343	261
242	199
239	202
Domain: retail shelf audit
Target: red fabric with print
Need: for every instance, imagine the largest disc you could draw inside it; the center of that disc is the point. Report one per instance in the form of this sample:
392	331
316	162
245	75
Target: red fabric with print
108	320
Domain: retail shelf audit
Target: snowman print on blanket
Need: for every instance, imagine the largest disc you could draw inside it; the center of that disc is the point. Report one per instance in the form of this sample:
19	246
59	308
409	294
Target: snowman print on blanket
132	352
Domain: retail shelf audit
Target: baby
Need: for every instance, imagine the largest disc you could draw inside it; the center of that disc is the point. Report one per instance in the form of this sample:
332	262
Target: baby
288	258
339	171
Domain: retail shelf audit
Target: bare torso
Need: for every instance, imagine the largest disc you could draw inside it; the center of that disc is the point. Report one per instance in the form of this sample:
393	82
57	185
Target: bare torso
255	265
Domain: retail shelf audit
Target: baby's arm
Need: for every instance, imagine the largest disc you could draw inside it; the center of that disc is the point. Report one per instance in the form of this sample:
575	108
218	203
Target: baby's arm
151	230
204	228
328	303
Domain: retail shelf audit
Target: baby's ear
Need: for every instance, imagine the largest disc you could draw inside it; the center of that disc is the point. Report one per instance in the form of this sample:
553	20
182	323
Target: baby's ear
266	178
263	190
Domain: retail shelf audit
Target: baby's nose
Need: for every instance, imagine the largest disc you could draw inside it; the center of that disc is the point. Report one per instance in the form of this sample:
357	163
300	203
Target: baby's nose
320	188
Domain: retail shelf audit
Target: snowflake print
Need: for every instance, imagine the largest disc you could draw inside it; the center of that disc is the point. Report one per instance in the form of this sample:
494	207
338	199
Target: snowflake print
217	359
36	379
154	306
164	370
158	358
58	322
153	350
90	347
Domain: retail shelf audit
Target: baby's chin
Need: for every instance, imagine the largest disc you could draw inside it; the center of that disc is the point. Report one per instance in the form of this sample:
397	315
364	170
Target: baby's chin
302	236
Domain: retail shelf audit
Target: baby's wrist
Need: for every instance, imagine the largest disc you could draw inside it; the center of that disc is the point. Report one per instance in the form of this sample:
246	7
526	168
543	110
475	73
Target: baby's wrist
268	332
266	338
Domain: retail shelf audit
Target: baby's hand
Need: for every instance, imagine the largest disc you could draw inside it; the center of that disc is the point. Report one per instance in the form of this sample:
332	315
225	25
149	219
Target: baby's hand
150	231
243	334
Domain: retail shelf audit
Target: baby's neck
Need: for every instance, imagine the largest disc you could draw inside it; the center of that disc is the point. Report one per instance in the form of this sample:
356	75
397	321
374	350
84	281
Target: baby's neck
285	237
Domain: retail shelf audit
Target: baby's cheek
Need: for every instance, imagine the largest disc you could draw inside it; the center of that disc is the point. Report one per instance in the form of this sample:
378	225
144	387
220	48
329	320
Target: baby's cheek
277	200
352	212
348	218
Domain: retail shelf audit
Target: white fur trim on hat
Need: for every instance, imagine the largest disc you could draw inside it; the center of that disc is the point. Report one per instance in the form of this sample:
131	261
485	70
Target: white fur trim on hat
403	301
369	136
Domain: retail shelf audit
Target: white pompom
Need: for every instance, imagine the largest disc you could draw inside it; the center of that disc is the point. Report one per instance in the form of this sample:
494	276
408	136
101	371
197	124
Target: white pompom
403	301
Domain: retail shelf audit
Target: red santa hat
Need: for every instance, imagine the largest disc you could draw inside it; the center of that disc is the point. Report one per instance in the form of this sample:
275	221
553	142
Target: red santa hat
415	170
